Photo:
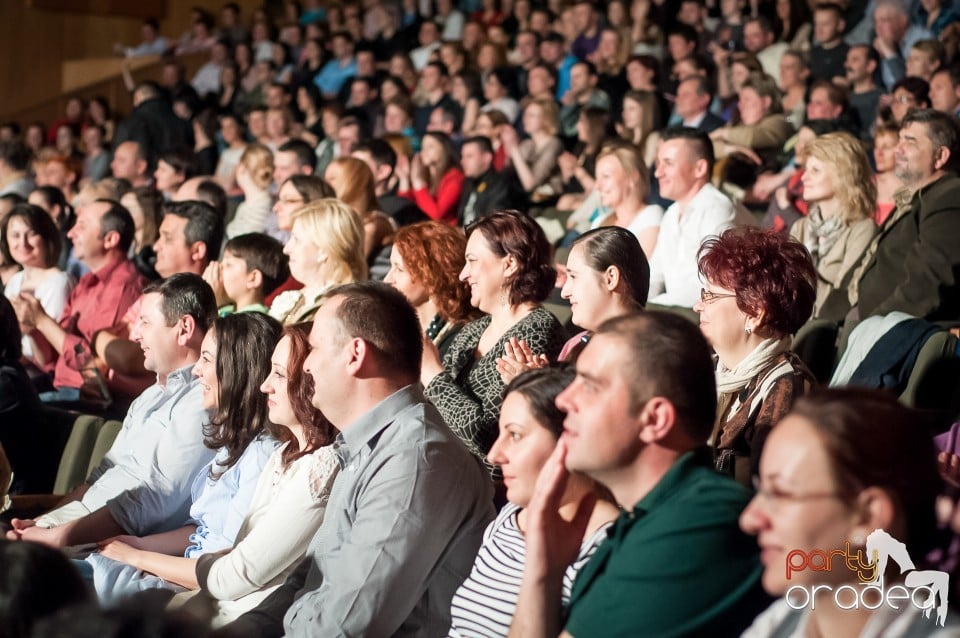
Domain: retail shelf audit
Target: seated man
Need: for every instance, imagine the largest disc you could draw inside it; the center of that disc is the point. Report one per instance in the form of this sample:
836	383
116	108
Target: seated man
408	509
485	190
142	486
101	239
676	562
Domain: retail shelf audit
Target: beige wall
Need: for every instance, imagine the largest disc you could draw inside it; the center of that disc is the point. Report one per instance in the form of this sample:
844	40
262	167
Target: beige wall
34	42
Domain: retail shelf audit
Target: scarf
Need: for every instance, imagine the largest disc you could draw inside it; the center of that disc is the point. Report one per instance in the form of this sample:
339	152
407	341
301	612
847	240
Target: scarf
823	233
729	381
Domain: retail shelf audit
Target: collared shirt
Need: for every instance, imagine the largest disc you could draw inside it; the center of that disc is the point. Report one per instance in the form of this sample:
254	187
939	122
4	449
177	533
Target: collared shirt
333	75
676	565
674	277
402	527
98	302
145	478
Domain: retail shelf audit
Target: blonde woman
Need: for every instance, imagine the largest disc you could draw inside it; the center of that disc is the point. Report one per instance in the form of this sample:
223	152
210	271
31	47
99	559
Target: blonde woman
639	118
623	182
838	185
354	183
325	250
535	158
254	176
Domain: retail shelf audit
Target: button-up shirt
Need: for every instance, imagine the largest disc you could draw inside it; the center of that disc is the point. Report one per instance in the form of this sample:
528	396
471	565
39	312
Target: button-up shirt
402	528
145	478
98	302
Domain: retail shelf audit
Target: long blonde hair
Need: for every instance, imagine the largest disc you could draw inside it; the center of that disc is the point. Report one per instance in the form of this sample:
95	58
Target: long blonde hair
337	230
853	182
632	164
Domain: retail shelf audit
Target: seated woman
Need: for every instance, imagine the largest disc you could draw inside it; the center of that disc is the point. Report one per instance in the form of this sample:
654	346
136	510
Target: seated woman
354	184
624	184
425	263
607	276
846	471
31	238
433	179
52	200
510	274
884	147
638	123
254	176
496	93
838	187
233	358
760	288
577	168
287	507
535	159
530	425
761	131
325	250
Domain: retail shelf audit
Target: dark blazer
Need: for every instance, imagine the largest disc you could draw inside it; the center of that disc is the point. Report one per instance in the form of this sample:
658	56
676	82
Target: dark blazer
916	267
710	123
495	191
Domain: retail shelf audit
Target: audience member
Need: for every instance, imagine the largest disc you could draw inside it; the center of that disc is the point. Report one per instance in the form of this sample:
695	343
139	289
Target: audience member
861	68
253	266
638	413
142	485
884	159
895	36
793	83
381	159
640	121
368	569
828	56
623	183
353	182
254	176
908	93
153	124
433	179
484	190
130	162
759	38
694	98
14	162
534	159
509	273
173	169
760	288
945	91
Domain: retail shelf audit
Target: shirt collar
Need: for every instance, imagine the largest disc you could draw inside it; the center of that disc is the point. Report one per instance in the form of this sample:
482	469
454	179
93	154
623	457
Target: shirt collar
179	377
365	429
109	268
674	477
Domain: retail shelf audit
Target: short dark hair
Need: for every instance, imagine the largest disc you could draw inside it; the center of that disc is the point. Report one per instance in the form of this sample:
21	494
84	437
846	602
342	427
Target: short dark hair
590	66
381	152
515	234
942	129
486	146
264	253
185	294
833	7
203	224
685	31
917	87
180	159
763	22
380	315
38	221
439	66
16	154
304	152
670	358
703	84
311	187
697	141
212	193
118	218
540	388
618	247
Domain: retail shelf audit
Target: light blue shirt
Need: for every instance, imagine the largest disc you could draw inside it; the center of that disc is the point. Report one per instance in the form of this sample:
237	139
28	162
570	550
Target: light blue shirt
219	506
145	478
332	76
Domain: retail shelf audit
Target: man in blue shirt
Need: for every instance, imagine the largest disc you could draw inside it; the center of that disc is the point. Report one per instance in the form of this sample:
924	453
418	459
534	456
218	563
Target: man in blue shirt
337	71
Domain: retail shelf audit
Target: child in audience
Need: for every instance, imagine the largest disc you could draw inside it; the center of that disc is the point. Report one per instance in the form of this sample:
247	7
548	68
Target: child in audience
252	267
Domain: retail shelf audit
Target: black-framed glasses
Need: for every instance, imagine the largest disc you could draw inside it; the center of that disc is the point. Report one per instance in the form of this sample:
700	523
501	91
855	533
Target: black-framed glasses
706	296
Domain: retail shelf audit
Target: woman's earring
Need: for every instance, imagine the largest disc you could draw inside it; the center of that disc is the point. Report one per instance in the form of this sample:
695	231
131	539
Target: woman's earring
748	330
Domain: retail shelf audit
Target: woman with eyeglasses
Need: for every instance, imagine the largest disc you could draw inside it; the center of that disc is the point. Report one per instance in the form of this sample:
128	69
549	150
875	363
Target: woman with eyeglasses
759	289
847	471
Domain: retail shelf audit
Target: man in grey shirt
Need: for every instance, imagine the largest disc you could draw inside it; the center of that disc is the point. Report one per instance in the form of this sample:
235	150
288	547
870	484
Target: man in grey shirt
409	507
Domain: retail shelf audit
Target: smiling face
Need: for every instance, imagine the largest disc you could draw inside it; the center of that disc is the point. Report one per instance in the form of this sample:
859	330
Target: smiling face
612	182
677	169
205	370
796	508
584	290
276	386
304	255
288	201
915	157
173	251
752	106
26	245
484	272
522	448
400	278
818	180
721	321
156	338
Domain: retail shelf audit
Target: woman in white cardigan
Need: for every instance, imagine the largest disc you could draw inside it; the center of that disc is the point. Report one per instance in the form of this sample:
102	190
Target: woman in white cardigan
838	184
286	510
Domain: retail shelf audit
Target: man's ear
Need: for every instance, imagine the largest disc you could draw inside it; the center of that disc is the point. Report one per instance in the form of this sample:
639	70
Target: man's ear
198	251
111	239
254	279
186	329
657	420
941	158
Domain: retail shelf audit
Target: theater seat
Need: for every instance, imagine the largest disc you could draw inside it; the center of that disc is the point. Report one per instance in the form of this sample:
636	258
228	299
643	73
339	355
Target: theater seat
816	345
934	382
105	437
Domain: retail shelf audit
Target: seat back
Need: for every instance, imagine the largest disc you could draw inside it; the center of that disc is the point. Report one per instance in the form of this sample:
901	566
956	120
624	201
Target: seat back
76	453
934	382
816	345
105	437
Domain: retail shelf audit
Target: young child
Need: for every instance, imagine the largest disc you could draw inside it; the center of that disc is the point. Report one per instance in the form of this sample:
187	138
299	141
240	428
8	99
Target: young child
252	266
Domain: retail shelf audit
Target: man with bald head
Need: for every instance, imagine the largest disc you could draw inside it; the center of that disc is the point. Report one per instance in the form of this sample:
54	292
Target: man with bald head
130	163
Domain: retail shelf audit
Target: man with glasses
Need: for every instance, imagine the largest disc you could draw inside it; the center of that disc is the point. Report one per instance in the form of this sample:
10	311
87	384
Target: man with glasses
675	562
699	210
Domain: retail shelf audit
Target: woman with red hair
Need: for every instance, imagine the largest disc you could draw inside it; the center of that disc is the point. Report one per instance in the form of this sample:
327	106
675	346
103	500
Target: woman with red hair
759	289
425	263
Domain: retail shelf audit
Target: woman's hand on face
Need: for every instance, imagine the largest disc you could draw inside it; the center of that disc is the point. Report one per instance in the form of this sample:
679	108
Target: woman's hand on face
402	171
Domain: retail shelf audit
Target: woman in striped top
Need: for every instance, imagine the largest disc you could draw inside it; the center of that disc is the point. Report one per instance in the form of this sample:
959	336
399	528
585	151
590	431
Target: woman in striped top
530	425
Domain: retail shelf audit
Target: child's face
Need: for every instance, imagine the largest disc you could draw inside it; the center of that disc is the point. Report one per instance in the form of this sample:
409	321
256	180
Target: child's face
233	272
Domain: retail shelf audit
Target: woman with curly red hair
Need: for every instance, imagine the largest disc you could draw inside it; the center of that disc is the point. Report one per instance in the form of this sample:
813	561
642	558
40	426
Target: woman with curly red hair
760	288
424	265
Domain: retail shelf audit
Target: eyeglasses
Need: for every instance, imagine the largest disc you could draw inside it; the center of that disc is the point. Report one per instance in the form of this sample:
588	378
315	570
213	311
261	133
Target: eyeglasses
904	98
775	498
706	296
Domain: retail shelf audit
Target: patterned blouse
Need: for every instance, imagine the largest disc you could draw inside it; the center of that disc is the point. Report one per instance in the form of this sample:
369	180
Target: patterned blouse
469	392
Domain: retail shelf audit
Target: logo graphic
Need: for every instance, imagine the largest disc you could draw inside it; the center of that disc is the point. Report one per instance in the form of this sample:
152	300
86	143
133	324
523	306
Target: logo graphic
927	590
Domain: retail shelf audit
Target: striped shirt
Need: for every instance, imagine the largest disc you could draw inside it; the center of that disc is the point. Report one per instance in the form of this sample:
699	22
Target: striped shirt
484	604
